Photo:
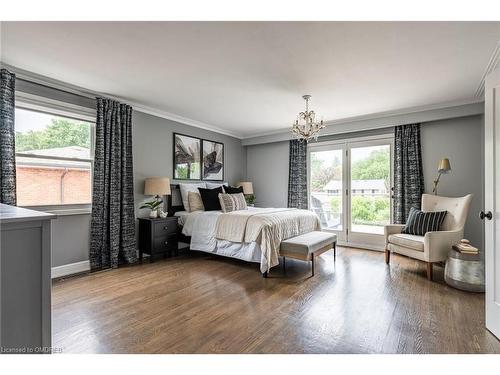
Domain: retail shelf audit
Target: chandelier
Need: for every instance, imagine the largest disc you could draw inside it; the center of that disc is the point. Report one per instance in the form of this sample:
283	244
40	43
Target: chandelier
305	128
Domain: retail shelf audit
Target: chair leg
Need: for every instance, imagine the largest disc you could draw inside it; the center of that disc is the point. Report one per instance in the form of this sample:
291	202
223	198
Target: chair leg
429	271
334	251
284	265
312	261
387	256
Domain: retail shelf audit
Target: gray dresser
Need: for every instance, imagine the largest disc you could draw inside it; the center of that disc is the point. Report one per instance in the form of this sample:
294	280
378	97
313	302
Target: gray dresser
25	282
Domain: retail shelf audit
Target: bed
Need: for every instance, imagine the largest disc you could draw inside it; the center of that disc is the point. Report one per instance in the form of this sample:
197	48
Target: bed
252	235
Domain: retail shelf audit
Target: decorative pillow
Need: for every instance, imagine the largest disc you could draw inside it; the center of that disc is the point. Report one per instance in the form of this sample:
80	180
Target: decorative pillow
233	190
419	222
232	202
210	198
213	185
186	188
195	202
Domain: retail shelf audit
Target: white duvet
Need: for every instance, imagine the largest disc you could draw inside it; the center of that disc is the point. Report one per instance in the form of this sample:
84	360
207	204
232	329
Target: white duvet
251	236
201	227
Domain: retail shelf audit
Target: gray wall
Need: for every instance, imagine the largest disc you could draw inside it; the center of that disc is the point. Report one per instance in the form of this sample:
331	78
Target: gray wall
460	139
153	151
70	239
267	168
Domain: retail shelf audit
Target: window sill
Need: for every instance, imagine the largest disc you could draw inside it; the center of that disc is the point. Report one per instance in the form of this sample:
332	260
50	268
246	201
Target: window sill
62	211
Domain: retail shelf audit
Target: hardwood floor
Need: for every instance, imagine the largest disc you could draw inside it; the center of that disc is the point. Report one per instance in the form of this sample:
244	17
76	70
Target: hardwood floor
206	304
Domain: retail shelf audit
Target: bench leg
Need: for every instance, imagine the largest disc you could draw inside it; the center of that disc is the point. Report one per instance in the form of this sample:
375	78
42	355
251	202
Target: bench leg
312	263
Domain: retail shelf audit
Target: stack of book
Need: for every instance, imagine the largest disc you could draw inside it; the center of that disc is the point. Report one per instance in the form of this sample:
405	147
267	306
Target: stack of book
465	247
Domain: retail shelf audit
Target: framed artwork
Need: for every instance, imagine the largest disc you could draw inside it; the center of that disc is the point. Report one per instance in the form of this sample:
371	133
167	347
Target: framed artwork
187	151
212	166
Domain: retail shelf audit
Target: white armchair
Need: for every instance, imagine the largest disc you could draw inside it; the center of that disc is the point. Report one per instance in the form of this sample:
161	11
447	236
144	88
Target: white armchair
434	246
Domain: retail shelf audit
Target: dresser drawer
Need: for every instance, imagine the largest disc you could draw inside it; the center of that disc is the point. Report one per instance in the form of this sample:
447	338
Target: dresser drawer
164	228
164	242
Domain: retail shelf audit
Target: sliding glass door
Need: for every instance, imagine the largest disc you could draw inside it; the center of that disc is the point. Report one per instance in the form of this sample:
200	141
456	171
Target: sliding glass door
350	188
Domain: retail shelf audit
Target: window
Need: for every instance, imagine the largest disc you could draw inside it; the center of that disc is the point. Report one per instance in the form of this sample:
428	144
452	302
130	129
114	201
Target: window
53	159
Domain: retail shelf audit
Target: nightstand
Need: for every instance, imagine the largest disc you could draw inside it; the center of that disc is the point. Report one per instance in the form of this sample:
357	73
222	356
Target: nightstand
158	237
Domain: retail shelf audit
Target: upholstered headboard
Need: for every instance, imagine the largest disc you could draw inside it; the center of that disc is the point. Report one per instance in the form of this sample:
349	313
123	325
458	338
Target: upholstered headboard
174	200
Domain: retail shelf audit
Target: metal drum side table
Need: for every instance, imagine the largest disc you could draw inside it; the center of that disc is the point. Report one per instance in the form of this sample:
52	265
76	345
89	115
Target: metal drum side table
464	271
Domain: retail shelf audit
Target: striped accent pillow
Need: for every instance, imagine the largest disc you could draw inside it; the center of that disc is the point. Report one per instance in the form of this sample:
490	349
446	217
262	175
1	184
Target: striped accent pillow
232	202
419	222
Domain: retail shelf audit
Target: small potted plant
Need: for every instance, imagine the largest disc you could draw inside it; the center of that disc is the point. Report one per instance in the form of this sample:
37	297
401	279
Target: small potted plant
153	206
250	198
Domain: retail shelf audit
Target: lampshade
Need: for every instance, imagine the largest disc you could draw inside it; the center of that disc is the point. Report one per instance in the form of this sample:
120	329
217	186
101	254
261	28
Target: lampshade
444	166
157	186
247	187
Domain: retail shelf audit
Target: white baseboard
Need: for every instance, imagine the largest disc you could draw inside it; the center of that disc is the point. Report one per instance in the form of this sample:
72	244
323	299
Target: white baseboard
362	246
70	269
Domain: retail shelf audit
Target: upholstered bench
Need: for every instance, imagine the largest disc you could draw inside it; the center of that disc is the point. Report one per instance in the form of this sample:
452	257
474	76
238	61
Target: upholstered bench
308	246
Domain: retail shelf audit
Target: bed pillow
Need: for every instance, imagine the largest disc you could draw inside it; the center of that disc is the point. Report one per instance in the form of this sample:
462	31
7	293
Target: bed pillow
195	202
419	222
232	202
233	190
213	185
186	188
210	198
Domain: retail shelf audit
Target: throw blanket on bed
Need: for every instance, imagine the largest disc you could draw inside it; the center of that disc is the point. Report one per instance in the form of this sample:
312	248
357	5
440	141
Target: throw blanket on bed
266	226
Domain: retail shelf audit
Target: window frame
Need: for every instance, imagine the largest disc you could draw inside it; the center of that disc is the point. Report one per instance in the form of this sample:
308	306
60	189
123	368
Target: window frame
52	107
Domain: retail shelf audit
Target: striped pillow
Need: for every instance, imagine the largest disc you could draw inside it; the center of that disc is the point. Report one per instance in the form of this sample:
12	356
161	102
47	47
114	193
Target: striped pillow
419	223
232	202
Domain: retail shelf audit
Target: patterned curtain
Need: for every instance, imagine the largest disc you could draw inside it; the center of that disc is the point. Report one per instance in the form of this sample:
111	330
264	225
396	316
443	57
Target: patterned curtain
112	237
408	172
297	175
7	138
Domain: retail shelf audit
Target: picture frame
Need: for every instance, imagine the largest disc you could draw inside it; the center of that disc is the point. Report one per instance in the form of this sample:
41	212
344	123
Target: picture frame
186	157
212	157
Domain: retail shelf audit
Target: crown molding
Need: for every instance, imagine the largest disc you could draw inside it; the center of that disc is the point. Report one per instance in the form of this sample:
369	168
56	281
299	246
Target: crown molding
382	120
380	115
492	64
81	91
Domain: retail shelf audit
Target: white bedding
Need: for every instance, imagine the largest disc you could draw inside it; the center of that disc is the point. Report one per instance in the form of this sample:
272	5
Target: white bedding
255	242
201	227
182	215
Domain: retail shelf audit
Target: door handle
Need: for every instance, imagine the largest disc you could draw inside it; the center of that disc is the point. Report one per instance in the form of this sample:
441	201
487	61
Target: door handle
488	215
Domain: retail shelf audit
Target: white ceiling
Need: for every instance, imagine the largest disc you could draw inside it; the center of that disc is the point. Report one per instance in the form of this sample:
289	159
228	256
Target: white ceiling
247	78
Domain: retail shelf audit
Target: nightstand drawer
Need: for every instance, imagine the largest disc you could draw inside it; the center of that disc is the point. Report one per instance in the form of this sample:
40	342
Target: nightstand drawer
165	228
164	242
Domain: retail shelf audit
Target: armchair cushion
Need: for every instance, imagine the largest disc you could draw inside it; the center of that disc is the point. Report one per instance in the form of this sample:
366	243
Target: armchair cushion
419	223
410	241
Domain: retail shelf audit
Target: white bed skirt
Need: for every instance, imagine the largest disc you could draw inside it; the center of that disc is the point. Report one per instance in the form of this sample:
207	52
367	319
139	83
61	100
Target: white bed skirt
200	226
